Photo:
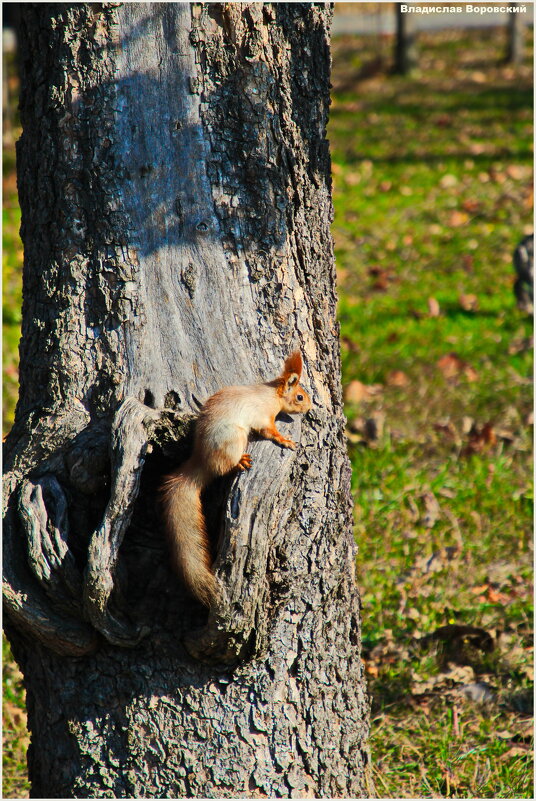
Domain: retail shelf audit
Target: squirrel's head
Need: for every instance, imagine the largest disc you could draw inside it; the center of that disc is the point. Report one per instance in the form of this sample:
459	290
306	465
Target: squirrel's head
294	399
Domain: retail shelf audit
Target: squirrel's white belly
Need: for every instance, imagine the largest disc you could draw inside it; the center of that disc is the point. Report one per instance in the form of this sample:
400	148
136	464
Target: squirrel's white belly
227	437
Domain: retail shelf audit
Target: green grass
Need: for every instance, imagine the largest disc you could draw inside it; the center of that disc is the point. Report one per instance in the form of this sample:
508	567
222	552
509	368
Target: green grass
15	733
12	257
11	309
432	191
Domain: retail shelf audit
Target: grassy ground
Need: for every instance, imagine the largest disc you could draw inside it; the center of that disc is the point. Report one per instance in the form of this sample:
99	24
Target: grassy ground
432	190
15	735
11	254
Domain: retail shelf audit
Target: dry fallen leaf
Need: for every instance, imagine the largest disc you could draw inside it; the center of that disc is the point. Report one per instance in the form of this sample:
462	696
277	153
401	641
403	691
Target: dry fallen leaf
442	680
356	392
471	205
353	178
468	262
433	511
505	434
447	181
470	373
480	589
444	121
451	366
370	665
397	378
516	751
504	734
480	439
520	345
495	597
458	218
468	302
477	148
14	714
497	176
433	308
517	171
467	424
381	276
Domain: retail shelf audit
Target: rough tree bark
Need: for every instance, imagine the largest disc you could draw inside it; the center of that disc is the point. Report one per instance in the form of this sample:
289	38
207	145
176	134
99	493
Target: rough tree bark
174	183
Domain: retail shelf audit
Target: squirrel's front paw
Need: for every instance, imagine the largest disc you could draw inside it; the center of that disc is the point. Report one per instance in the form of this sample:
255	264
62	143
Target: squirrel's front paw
245	462
288	443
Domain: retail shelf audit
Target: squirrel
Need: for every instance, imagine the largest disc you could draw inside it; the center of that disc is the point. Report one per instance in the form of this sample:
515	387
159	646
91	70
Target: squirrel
221	436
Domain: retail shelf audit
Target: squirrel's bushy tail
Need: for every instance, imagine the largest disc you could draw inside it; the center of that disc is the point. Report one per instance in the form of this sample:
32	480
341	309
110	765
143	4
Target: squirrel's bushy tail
185	526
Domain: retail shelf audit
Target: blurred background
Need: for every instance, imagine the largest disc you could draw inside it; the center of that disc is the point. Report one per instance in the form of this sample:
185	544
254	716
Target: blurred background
431	133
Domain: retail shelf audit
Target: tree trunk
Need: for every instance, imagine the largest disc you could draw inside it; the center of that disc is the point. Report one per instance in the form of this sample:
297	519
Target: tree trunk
174	183
514	44
406	57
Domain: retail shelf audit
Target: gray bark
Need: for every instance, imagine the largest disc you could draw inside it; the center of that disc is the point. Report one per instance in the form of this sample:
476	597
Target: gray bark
175	193
514	46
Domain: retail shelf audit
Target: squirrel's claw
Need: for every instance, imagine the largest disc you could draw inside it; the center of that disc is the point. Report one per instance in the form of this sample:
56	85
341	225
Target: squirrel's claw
245	462
288	443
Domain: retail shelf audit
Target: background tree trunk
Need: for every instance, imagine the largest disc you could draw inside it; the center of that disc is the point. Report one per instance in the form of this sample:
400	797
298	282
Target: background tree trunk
515	31
175	192
406	57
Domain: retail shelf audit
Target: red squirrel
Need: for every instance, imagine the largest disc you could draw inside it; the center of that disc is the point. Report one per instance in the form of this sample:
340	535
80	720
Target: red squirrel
221	436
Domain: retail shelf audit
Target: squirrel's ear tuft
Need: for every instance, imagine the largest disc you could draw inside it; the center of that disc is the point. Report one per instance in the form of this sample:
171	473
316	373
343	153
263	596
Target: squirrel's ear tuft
294	364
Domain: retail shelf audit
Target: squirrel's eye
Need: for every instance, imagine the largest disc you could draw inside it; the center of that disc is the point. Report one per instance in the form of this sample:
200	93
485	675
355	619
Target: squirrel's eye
299	397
